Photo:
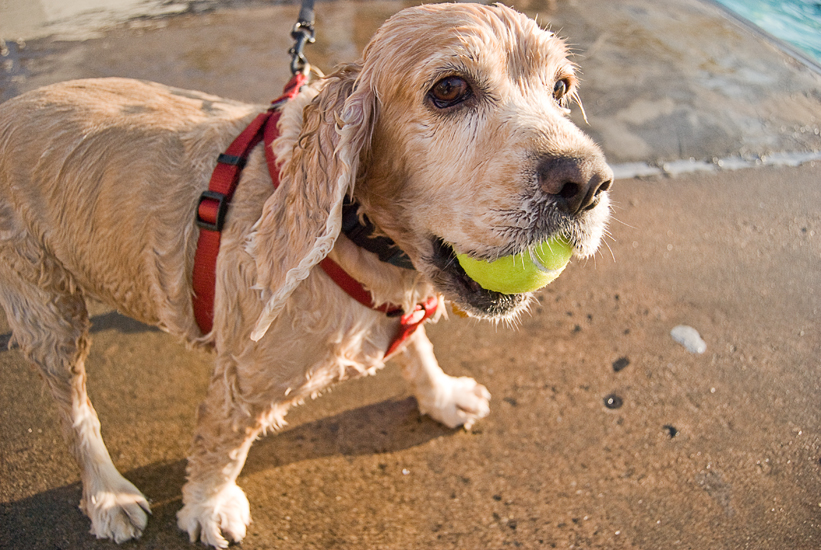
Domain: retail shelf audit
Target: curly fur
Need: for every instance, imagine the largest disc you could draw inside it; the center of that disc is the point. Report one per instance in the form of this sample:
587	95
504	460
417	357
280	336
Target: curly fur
99	181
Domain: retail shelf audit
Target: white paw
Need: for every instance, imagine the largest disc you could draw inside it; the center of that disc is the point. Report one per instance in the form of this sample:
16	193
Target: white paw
117	509
224	513
455	401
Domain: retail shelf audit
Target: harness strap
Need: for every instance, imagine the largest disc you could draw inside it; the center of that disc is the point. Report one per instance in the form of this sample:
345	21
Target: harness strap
409	322
354	288
213	203
213	206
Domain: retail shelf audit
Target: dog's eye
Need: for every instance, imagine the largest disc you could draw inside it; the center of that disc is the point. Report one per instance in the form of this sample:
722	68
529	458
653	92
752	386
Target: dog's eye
450	91
560	89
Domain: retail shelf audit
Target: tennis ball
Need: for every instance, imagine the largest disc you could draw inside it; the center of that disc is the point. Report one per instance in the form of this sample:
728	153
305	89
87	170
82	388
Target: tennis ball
519	273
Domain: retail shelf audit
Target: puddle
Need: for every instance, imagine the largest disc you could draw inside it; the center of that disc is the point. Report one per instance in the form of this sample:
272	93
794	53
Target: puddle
685	87
628	170
77	19
794	25
231	48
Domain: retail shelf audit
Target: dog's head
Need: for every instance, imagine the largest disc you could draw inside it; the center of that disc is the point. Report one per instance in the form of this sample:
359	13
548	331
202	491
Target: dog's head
453	134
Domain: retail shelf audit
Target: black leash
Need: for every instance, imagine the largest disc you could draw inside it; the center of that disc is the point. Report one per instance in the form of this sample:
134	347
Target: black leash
302	33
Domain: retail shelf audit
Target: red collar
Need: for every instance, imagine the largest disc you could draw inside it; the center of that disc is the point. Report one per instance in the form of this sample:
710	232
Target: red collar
213	205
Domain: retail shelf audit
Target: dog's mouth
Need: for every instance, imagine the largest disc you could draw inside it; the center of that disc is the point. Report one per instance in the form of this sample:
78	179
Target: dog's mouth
467	294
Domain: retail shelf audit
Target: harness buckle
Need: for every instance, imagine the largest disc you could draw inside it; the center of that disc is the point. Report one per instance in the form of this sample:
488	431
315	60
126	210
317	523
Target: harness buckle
232	160
203	211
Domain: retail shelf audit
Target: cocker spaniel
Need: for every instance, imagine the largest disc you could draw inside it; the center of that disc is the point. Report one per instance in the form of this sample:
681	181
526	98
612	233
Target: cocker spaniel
451	134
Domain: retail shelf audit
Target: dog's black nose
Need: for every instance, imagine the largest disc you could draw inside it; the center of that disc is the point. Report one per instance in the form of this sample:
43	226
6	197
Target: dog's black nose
575	183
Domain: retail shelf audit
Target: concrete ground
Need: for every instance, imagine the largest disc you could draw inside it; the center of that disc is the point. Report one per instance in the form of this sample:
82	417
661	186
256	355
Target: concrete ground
717	450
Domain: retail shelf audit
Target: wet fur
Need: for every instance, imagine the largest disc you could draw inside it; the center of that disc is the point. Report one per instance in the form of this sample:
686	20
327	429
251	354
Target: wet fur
98	184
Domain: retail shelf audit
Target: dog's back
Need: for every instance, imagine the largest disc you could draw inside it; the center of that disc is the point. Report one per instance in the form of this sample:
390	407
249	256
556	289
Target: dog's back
99	180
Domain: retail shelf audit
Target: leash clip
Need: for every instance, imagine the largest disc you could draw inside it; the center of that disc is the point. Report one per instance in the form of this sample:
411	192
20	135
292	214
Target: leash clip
302	33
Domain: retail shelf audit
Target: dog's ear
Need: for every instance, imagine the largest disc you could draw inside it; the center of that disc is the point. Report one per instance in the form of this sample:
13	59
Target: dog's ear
301	221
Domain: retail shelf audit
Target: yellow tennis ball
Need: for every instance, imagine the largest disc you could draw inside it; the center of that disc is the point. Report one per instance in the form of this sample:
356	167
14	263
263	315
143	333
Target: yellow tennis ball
519	273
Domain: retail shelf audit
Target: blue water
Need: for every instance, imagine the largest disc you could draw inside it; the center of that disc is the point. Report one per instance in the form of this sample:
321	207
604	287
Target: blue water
796	22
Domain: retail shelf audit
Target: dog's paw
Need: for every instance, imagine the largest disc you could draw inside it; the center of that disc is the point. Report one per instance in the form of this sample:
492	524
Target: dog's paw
118	510
456	401
217	518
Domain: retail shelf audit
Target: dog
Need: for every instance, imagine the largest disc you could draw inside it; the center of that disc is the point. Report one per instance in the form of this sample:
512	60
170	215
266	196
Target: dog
452	135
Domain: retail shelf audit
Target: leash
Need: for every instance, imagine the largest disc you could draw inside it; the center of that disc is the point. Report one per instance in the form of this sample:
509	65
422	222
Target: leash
302	33
214	202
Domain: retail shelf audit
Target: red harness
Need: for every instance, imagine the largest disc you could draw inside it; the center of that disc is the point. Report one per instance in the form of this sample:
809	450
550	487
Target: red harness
213	206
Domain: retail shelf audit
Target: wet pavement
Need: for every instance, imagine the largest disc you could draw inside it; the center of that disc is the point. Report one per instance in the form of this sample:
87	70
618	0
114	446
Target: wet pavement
604	432
659	83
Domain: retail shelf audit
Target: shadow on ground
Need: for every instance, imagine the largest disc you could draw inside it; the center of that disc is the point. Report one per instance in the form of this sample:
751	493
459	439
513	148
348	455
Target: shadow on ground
105	321
385	427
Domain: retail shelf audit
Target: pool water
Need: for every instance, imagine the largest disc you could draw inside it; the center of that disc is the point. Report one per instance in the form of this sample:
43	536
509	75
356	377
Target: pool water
795	22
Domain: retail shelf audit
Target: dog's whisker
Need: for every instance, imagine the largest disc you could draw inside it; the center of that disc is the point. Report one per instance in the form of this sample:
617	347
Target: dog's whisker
612	254
613	218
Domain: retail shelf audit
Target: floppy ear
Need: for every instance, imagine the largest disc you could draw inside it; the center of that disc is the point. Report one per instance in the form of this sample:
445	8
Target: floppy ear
301	221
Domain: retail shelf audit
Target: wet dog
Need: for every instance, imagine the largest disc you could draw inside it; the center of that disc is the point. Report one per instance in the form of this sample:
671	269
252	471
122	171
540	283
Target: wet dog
452	135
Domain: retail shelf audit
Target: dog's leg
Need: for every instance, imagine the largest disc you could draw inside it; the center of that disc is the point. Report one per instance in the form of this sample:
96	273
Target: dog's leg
450	400
50	323
227	424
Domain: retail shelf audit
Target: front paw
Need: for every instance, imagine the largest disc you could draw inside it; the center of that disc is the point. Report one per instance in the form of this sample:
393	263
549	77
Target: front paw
117	510
208	519
456	401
